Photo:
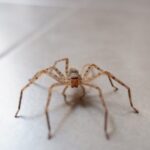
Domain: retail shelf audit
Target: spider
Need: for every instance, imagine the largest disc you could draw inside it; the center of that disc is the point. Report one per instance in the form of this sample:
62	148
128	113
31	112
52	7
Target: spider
72	78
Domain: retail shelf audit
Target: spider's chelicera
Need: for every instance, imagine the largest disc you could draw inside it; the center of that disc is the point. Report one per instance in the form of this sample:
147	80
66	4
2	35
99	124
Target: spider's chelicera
72	78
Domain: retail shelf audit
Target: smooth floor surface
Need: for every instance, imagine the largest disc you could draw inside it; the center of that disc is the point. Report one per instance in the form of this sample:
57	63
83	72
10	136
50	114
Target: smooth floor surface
113	34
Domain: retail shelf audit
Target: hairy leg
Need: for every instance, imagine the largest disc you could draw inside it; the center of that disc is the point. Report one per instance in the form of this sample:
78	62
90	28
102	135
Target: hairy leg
127	87
57	71
65	96
83	92
31	81
35	77
66	64
47	106
104	105
90	67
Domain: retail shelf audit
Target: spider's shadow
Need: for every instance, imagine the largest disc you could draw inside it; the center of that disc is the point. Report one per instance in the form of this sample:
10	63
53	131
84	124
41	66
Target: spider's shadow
91	102
85	103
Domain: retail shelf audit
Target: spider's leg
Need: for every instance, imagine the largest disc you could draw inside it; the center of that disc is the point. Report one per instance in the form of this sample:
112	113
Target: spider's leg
83	91
64	94
104	105
124	85
90	67
84	68
59	73
112	84
34	78
47	106
66	64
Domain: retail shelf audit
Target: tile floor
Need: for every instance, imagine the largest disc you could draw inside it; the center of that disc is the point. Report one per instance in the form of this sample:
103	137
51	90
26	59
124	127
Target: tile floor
113	34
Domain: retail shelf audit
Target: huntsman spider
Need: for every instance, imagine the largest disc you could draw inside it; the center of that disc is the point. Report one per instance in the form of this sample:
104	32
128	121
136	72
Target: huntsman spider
72	78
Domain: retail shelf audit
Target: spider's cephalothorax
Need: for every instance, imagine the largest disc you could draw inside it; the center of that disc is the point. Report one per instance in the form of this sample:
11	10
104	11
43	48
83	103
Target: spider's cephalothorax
74	77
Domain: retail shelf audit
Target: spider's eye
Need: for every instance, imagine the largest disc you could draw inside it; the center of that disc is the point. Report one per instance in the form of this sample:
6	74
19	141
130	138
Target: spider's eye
73	70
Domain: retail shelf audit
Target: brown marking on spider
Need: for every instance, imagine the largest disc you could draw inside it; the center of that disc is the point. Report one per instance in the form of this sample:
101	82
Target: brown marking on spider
72	78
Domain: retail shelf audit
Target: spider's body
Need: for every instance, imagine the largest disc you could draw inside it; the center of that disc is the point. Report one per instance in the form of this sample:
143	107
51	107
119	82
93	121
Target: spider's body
73	79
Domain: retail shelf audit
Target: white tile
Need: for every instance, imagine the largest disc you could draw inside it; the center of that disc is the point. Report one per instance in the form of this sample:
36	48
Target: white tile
19	23
112	34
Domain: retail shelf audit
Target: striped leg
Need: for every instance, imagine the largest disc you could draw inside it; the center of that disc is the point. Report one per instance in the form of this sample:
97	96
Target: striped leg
127	87
66	64
65	96
90	66
83	92
57	75
35	77
94	77
31	81
47	106
104	105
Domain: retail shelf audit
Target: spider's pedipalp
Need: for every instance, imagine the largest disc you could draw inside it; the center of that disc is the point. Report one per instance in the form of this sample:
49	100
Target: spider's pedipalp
83	92
65	96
